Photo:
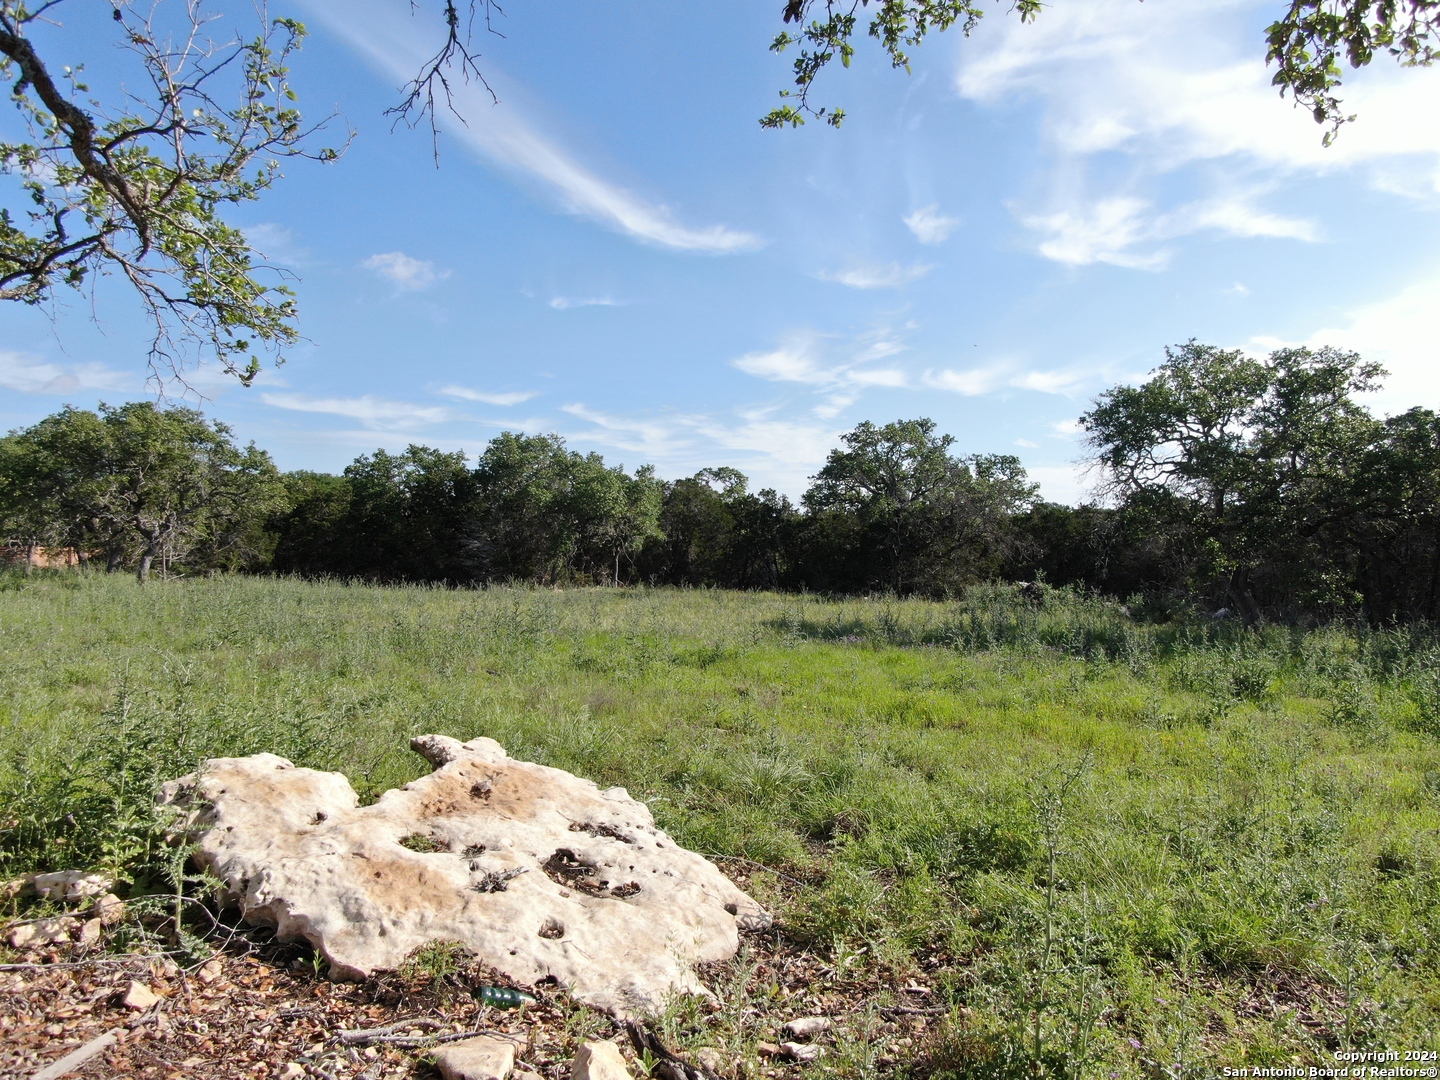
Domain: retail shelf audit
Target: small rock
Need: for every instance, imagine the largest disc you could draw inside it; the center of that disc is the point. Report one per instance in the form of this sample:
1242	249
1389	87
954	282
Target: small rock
807	1027
482	1058
599	1060
799	1051
713	1059
71	885
293	1071
32	935
89	932
110	909
139	997
765	1049
209	972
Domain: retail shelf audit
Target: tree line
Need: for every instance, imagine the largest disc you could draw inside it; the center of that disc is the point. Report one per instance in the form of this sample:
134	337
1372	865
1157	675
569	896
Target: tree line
1261	487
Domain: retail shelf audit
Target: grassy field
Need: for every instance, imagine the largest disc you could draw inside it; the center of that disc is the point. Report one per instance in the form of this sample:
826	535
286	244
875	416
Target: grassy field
1119	849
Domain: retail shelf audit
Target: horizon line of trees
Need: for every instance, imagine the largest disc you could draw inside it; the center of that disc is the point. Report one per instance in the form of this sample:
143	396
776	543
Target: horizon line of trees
1261	486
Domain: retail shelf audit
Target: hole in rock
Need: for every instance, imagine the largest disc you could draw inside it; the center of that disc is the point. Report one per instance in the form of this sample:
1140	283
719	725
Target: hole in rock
473	851
600	829
732	909
318	818
552	928
422	843
567	868
481	789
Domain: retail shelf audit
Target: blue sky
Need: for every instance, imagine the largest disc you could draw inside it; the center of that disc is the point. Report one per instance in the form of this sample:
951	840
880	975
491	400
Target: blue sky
619	253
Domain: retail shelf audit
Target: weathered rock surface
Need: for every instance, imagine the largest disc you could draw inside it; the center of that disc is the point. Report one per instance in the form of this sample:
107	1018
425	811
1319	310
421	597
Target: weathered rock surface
807	1027
538	872
480	1058
599	1060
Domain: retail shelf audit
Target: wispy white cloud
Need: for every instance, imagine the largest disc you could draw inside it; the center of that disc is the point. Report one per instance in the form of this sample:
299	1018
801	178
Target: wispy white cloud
808	359
878	275
374	412
29	374
489	398
1125	231
386	36
1028	444
404	271
562	303
1104	232
930	226
1006	374
276	241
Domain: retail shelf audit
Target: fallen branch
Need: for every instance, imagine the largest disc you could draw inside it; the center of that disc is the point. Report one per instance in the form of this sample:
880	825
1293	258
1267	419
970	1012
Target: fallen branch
393	1035
77	1057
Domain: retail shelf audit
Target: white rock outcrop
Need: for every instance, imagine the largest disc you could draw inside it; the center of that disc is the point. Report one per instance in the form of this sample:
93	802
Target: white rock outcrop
538	872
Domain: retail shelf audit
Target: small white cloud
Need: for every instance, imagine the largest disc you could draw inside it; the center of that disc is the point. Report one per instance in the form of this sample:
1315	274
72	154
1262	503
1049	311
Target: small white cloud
1066	429
1027	444
28	374
890	377
1111	229
794	361
275	241
562	303
1105	232
1237	217
799	361
878	276
930	226
405	272
506	399
374	412
1238	289
985	380
970	383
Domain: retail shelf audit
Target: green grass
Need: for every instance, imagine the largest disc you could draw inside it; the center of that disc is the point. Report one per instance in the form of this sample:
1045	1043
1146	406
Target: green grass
1119	849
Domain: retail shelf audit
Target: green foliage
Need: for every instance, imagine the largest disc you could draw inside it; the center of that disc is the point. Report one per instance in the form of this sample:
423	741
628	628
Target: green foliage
139	188
139	483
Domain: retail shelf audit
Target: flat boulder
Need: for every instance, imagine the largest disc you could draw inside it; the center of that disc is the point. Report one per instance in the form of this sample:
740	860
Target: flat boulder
539	873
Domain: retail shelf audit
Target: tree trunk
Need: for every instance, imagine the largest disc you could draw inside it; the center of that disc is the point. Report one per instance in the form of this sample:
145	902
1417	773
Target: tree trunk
29	557
142	572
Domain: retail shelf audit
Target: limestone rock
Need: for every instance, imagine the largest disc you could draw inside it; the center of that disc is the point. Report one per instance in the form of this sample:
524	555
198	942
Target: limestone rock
110	909
89	932
481	1058
139	997
807	1027
799	1051
71	885
599	1060
40	932
538	872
